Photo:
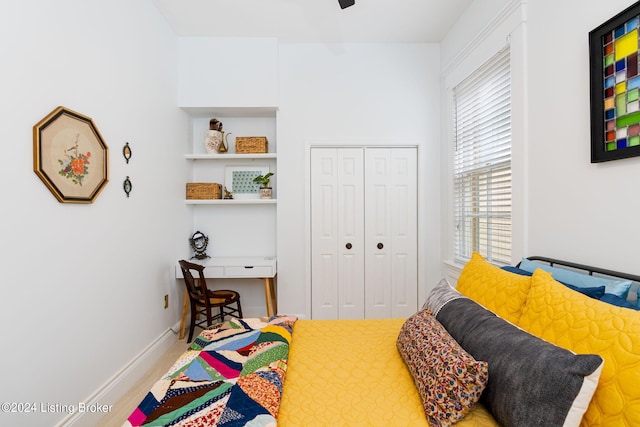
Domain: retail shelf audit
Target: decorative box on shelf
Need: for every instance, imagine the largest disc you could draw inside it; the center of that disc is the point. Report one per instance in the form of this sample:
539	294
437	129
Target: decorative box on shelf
251	144
203	190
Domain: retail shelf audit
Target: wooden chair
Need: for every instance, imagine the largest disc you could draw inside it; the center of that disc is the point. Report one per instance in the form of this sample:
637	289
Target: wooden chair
203	300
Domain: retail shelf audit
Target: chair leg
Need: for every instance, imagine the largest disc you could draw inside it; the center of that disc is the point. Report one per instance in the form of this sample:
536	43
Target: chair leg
209	317
192	327
239	308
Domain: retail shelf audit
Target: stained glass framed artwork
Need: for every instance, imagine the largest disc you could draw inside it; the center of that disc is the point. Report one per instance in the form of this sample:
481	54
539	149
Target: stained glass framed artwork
615	87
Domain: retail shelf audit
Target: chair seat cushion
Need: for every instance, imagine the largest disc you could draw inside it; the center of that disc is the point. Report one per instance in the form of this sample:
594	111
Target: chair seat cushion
222	297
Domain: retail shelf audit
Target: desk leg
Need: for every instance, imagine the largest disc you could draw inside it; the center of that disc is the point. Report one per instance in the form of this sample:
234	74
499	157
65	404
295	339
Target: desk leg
274	296
185	307
270	297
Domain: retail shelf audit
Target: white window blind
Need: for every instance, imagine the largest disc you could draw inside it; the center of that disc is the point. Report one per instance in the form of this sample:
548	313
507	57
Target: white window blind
482	162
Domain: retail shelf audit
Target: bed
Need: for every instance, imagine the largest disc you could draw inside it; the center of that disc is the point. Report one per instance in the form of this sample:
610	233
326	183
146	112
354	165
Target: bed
305	373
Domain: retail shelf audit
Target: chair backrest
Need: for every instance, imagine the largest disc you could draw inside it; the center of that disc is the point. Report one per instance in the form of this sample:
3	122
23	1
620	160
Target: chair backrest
196	287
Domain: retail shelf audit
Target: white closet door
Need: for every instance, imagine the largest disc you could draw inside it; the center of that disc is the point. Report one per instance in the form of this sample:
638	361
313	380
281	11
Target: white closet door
391	230
337	246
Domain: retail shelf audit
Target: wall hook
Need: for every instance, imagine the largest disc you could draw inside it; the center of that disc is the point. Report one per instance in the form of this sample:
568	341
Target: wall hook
127	186
126	152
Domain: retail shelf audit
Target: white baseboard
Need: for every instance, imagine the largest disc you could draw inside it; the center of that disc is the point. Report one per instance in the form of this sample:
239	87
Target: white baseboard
120	383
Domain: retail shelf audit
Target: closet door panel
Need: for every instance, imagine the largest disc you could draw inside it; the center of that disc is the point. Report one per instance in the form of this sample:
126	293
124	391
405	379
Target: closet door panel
350	234
391	230
337	283
324	235
377	287
377	223
404	231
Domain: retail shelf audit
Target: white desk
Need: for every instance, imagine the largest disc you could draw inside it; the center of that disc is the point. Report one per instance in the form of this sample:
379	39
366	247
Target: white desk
264	268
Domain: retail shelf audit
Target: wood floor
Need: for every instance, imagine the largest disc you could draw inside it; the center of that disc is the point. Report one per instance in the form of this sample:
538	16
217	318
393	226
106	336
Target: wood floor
128	403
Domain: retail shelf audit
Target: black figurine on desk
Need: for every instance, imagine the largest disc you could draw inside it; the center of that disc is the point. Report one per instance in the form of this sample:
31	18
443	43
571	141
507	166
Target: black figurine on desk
199	243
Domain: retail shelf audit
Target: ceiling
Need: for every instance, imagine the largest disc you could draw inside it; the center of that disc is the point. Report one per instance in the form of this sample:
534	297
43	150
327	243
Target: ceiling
318	21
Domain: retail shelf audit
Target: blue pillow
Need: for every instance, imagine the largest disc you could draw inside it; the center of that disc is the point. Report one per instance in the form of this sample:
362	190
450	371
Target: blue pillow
615	300
596	292
517	270
619	288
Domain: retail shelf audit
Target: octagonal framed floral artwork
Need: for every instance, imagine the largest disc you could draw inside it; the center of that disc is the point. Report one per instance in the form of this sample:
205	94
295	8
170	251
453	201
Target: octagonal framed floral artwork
70	156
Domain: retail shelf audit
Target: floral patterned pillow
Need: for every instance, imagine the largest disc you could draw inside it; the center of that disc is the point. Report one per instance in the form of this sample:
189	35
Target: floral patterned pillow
449	380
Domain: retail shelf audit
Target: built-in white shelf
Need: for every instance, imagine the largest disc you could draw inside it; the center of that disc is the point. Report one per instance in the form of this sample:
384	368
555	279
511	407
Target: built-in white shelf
228	156
231	202
246	112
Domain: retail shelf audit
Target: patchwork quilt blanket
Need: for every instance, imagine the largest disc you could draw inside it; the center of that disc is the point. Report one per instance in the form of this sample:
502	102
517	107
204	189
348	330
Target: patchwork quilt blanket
232	375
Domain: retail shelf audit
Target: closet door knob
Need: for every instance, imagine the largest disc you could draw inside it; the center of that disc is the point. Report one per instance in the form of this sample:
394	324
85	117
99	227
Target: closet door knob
380	246
348	245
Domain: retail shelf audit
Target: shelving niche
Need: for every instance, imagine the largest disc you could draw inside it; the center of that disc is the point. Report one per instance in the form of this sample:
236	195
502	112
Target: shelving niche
238	121
237	227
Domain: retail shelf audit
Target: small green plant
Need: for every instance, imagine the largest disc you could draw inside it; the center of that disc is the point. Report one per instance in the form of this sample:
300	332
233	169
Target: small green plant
263	180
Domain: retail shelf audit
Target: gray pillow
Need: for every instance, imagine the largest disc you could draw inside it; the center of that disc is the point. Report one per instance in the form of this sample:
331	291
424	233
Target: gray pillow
440	295
531	381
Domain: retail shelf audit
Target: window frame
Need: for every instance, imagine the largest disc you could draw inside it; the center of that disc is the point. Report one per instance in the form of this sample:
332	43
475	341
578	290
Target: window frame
482	189
462	52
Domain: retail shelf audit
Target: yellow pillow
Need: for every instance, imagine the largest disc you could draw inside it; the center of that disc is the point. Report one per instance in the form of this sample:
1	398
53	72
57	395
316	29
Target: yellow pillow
498	290
585	325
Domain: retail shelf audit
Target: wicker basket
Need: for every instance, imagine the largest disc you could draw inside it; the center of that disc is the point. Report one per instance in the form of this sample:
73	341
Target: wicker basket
203	190
251	144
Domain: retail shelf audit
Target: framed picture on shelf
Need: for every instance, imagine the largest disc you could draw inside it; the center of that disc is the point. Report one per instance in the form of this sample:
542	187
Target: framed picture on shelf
239	181
615	87
70	156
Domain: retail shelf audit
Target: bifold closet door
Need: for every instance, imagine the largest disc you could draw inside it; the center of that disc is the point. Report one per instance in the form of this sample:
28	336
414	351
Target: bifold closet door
337	233
363	232
391	269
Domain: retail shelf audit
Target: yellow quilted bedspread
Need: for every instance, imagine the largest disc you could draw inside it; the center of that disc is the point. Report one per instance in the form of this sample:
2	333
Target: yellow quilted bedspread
349	373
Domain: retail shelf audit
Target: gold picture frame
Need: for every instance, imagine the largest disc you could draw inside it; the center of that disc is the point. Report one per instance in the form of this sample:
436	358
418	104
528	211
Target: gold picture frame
70	156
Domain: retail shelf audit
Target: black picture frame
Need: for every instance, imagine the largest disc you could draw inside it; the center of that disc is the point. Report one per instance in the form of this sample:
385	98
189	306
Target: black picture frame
603	118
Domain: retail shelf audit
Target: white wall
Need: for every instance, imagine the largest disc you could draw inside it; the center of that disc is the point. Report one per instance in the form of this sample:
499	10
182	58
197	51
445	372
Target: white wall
578	211
355	93
571	209
83	285
227	72
473	22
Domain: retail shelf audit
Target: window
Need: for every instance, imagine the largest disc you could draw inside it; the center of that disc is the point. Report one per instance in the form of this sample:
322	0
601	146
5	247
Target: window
482	162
